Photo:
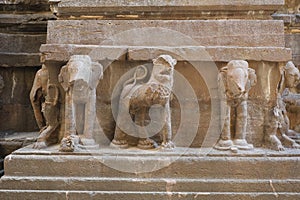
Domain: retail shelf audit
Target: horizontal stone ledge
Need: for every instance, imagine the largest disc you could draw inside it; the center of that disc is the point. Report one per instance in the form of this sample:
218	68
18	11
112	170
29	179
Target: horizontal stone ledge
242	33
21	43
19	59
163	4
287	18
60	52
23	18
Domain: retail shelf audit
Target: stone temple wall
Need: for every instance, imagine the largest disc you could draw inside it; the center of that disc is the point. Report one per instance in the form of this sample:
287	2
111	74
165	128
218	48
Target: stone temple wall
23	27
290	14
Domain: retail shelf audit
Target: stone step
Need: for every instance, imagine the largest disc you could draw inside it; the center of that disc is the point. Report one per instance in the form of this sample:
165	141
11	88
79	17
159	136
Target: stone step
148	184
179	163
142	195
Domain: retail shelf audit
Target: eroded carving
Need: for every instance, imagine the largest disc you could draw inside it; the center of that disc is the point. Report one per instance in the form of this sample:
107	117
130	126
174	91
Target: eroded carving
279	123
79	79
44	100
138	97
236	79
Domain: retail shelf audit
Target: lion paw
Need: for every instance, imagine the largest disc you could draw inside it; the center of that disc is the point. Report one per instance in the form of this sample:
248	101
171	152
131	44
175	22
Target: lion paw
146	144
39	145
296	146
168	145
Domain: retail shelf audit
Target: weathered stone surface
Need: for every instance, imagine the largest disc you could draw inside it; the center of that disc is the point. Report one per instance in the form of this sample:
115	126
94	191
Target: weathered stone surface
61	52
21	43
19	60
240	33
15	110
193	175
290	14
23	28
213	4
293	42
12	142
162	9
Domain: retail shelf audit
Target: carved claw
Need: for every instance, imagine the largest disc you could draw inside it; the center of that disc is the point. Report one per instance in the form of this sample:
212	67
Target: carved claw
295	146
146	144
168	145
39	145
69	143
280	147
275	142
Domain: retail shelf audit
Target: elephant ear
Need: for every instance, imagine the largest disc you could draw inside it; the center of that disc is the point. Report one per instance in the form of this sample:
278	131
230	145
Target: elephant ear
63	77
252	79
97	74
222	81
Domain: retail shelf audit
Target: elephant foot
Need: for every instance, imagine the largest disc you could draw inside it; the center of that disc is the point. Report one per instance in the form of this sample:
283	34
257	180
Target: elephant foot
242	144
224	145
39	145
119	144
88	141
146	144
88	144
168	145
69	143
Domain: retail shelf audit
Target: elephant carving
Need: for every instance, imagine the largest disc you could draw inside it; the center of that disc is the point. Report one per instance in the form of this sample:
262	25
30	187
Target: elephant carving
138	98
236	79
79	79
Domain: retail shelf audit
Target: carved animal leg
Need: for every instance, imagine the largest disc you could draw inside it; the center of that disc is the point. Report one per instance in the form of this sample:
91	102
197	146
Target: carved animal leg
291	141
271	131
293	134
41	141
70	128
144	142
119	139
90	116
51	115
273	139
36	105
167	130
225	142
240	127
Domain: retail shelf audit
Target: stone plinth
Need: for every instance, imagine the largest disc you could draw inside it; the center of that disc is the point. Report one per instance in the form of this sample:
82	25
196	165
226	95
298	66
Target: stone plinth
203	36
194	174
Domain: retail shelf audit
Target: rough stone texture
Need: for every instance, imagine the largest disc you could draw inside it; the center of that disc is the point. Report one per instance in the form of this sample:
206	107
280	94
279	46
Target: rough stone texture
23	27
16	113
62	52
241	33
290	14
175	9
48	174
12	142
293	41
